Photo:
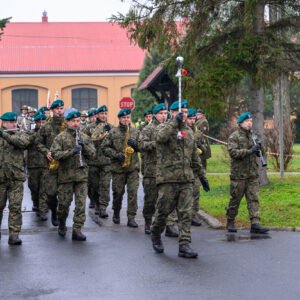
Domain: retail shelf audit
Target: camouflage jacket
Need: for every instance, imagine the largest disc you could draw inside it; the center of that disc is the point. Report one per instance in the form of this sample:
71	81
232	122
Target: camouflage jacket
69	169
113	145
203	127
243	162
94	130
35	159
48	132
98	137
12	146
176	161
147	146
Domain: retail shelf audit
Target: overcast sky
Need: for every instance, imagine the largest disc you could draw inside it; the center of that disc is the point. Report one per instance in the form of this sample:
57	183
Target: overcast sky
62	10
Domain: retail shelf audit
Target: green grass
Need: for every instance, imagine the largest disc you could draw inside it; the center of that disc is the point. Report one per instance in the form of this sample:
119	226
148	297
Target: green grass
279	201
220	162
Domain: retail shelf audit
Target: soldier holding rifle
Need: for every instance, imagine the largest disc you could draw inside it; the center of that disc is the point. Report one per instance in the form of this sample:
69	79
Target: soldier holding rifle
244	174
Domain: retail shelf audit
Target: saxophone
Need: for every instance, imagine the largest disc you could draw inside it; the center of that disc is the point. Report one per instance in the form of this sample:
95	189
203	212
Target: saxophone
127	150
53	164
96	137
198	151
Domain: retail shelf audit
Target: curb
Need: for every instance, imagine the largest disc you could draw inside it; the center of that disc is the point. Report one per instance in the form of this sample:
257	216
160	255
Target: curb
216	224
211	221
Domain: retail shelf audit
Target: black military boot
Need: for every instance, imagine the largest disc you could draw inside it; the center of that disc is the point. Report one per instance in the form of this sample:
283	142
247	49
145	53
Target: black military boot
171	231
62	228
257	228
132	223
116	217
14	240
186	251
34	208
77	235
157	243
147	226
97	210
102	213
43	217
230	226
54	217
196	221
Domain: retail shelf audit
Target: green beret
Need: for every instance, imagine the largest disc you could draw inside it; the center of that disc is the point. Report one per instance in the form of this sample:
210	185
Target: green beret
102	108
147	112
73	114
175	105
92	112
244	116
159	107
192	112
9	116
124	112
200	111
39	117
57	103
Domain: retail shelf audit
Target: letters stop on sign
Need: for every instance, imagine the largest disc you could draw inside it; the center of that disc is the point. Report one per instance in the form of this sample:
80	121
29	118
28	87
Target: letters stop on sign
127	102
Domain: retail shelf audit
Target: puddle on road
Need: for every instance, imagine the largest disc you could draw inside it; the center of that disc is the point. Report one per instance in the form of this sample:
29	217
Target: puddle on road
233	237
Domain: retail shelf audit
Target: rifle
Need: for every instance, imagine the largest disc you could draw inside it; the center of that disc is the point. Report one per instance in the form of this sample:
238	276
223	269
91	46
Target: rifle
261	157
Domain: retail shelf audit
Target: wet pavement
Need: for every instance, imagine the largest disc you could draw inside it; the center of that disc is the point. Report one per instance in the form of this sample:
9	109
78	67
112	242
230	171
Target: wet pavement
118	262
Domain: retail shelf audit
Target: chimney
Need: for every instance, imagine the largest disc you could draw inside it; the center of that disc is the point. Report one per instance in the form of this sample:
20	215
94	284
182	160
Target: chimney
44	17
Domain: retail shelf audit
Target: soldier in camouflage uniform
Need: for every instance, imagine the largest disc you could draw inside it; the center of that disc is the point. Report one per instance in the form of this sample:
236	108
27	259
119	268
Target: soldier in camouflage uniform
148	117
22	118
124	166
244	174
99	167
202	125
47	133
199	139
147	146
71	148
177	161
12	174
36	163
102	173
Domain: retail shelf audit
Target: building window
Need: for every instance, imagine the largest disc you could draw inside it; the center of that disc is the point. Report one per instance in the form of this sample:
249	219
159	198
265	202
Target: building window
84	98
21	97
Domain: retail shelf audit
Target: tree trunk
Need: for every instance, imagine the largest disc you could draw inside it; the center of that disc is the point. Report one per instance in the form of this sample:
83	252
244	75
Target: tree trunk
257	92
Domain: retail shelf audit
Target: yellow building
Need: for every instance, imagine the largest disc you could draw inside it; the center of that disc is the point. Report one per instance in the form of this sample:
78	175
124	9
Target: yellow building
85	64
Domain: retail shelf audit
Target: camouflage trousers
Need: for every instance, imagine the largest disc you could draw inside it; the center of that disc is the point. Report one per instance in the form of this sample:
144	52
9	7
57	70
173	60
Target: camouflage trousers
48	198
150	199
178	196
34	184
99	185
131	180
196	196
239	188
65	198
13	191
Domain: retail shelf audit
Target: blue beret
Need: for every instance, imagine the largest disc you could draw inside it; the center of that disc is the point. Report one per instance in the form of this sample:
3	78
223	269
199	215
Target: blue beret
9	116
102	108
244	116
39	117
175	105
147	112
92	112
124	112
73	114
57	103
159	107
192	112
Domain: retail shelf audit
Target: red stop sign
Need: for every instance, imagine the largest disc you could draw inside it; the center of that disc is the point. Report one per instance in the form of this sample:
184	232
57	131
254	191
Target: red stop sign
127	102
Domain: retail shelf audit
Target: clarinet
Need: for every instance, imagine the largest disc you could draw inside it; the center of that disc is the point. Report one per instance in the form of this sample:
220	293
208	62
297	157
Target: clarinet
262	160
77	144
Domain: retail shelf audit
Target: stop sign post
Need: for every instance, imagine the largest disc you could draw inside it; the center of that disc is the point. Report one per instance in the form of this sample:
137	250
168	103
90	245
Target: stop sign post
127	102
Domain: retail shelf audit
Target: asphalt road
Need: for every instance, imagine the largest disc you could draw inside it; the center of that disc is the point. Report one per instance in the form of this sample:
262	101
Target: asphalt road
118	262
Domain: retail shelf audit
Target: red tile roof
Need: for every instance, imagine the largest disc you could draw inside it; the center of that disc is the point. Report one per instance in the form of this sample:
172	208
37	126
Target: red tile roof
52	47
